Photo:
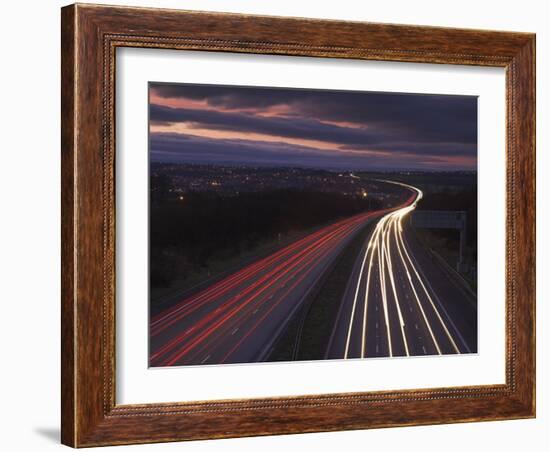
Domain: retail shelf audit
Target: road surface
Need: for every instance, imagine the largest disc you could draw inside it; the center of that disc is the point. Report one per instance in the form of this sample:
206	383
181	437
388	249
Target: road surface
391	308
238	318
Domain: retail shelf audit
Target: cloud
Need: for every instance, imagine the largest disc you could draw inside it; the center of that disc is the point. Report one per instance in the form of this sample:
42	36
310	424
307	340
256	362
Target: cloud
430	117
303	128
413	129
173	147
227	96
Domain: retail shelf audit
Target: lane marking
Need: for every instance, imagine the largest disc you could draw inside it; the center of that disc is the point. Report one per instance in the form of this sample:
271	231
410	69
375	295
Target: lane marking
449	319
353	307
400	247
365	303
387	253
382	278
428	296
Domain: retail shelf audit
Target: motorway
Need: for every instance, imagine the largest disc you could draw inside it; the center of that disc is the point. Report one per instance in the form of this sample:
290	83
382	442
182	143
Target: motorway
238	318
390	308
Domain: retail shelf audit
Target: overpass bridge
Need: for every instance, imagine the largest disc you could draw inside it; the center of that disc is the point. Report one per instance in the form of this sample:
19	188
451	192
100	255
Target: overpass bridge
444	219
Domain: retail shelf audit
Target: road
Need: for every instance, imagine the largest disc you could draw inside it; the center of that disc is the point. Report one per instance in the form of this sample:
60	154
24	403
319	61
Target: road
238	318
391	308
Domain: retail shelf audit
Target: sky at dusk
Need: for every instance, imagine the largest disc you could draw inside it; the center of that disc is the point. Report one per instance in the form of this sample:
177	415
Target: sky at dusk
338	130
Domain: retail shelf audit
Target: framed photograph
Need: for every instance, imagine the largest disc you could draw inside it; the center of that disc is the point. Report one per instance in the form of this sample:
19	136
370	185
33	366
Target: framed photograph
282	225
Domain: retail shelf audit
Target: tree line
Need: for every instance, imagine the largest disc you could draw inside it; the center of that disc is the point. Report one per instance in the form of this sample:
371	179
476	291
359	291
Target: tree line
188	234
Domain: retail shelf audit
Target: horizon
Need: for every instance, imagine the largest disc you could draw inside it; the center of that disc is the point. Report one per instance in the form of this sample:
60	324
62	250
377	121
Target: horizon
311	168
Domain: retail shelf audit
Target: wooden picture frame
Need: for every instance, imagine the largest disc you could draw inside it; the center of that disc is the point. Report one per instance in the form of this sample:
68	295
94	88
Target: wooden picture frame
90	36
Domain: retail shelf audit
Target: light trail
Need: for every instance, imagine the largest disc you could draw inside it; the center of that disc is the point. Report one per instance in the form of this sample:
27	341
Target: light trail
379	248
253	293
267	303
409	278
261	285
392	281
388	236
366	304
190	305
429	297
280	299
354	305
231	314
357	292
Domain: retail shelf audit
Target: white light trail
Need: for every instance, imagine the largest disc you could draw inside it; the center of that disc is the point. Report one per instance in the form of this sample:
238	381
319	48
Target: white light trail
365	309
382	274
392	282
379	248
429	297
354	305
409	278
